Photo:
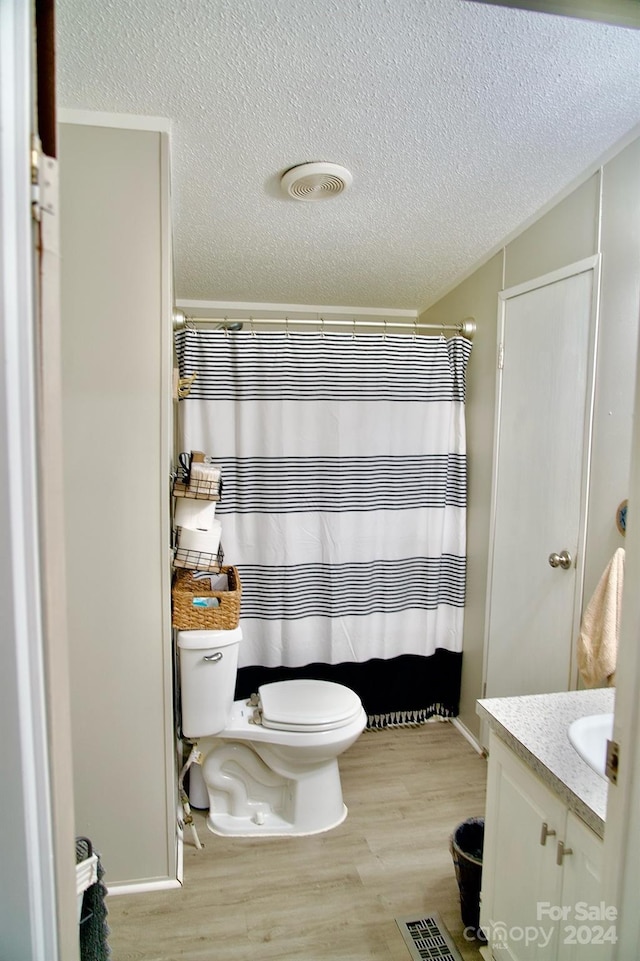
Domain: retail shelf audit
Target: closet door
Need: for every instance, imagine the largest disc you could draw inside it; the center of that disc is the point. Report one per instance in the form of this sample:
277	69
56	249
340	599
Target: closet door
116	373
540	471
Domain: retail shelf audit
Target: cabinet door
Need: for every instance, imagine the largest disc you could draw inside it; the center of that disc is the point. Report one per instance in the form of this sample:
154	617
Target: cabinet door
519	860
589	928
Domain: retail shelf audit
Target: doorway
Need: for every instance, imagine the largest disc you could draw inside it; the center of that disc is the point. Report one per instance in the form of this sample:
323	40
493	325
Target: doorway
541	465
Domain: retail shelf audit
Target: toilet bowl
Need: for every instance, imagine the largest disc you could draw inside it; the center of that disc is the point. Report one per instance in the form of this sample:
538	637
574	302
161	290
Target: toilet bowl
270	763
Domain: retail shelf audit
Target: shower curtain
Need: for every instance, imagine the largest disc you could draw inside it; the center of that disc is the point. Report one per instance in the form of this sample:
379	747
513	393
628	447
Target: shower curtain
343	506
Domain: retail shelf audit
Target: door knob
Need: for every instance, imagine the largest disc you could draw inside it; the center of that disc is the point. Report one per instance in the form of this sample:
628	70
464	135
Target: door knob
563	560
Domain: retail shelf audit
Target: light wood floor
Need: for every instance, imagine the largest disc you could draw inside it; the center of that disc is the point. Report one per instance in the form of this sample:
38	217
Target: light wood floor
333	896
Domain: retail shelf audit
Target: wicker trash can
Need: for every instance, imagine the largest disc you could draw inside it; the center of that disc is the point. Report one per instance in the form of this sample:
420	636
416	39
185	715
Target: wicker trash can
466	845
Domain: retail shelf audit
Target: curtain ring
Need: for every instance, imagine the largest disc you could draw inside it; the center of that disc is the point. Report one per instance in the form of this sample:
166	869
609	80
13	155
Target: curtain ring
252	327
226	327
384	336
353	332
415	328
286	324
322	327
189	324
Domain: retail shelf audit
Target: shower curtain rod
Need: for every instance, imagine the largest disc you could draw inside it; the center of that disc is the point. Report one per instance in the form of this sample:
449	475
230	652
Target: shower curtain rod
466	327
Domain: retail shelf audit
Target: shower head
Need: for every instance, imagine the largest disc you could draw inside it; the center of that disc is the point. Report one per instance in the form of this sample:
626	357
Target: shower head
233	325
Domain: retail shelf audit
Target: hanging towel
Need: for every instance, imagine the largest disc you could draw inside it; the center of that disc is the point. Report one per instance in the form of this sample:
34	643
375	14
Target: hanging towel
599	631
94	929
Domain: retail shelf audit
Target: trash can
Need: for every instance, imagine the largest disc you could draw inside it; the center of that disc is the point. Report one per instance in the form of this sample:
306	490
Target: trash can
465	845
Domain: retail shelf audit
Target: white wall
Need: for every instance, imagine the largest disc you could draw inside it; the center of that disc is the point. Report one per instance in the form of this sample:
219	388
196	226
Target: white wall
116	341
617	351
476	297
599	215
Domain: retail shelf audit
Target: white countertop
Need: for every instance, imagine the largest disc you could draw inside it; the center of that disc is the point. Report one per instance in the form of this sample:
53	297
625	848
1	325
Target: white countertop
535	727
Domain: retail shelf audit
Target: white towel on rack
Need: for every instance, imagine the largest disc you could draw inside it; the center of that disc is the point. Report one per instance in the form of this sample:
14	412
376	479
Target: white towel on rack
600	628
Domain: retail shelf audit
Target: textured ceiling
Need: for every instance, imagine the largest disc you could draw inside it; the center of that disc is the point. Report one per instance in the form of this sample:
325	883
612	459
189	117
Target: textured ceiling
458	121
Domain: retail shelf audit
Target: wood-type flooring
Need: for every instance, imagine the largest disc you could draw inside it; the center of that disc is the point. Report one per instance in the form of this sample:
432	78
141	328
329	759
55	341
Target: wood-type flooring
331	896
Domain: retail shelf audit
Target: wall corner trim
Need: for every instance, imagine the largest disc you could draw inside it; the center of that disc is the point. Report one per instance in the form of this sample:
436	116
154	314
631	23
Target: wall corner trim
126	121
466	733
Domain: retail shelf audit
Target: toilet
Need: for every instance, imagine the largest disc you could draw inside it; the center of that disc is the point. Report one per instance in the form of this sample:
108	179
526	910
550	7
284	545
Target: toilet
270	763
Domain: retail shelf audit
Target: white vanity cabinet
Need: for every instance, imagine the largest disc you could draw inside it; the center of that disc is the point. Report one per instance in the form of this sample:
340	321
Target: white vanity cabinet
589	933
541	880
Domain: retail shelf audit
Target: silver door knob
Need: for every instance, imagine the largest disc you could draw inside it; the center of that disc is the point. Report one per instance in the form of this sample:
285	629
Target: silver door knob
563	560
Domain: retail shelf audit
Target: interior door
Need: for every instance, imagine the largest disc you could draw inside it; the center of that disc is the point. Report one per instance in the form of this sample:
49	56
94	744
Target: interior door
540	478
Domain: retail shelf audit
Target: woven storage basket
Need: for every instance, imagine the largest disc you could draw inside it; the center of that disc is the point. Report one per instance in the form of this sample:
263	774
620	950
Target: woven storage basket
188	616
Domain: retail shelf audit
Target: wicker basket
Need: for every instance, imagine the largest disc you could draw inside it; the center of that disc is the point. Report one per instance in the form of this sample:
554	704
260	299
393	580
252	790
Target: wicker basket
199	490
188	593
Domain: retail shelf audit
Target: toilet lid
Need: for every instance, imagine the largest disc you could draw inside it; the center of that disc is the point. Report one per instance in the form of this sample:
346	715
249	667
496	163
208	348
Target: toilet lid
306	705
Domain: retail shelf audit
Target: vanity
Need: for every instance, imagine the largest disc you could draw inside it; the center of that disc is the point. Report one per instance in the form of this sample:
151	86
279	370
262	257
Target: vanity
544	824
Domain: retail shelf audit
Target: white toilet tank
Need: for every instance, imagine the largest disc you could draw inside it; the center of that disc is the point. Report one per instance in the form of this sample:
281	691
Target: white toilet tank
208	666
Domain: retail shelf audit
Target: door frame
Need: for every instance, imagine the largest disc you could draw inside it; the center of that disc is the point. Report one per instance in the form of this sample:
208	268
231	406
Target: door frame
30	923
592	263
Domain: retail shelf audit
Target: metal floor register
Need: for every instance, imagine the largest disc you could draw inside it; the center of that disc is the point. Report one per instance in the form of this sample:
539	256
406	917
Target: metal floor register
427	938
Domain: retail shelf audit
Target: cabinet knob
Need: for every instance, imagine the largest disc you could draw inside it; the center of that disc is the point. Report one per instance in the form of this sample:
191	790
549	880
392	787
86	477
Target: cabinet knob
545	833
561	853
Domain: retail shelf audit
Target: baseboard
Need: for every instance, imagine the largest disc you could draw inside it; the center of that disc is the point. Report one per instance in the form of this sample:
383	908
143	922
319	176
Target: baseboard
141	887
466	733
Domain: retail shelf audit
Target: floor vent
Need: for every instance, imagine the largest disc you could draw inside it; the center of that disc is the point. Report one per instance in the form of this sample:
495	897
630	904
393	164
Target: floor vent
427	939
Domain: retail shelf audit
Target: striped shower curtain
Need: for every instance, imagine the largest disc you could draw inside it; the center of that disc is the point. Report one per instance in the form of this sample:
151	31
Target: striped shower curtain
343	508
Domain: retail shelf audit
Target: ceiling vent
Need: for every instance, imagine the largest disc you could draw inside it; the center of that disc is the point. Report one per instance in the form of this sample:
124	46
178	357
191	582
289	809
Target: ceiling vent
316	181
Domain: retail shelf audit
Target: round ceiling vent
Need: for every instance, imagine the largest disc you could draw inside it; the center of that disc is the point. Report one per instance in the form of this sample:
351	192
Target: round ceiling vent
316	181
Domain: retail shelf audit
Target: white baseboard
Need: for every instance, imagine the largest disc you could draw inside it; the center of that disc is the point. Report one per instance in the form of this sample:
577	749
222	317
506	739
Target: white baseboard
466	733
140	887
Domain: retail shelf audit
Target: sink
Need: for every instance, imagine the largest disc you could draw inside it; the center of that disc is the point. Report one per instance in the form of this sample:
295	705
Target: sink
589	736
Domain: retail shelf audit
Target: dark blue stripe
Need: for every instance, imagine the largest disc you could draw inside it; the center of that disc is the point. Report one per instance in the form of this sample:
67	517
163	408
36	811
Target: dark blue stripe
337	590
332	484
316	366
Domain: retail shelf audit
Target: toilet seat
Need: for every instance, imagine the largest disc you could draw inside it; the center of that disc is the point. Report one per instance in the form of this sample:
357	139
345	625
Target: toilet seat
307	705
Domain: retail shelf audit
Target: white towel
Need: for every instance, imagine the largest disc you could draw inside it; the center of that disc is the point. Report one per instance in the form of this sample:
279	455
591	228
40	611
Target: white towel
600	628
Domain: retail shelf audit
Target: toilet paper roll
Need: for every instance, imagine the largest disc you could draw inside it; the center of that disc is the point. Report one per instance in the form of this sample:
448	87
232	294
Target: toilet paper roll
201	542
195	515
